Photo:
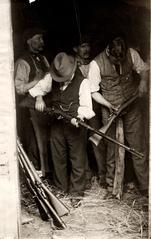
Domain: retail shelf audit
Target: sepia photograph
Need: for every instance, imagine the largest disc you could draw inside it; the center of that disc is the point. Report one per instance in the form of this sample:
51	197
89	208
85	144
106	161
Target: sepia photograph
75	119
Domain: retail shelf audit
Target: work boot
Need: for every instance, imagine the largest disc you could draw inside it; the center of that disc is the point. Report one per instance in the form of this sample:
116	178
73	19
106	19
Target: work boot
88	184
101	181
76	199
75	202
109	194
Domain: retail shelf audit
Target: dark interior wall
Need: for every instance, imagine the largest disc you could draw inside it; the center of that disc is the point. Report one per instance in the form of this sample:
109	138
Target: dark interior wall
65	20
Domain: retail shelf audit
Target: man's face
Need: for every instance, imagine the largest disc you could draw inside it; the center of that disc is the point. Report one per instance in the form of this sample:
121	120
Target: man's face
83	50
117	50
36	43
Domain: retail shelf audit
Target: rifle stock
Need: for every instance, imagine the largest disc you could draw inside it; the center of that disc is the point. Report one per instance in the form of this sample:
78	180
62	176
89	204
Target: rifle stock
49	205
42	209
56	203
95	138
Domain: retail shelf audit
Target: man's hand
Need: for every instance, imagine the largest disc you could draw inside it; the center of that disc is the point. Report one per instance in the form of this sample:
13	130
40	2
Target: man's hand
111	107
74	122
40	104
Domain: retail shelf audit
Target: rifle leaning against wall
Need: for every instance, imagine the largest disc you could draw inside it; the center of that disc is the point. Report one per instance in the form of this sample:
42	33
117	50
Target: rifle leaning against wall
50	207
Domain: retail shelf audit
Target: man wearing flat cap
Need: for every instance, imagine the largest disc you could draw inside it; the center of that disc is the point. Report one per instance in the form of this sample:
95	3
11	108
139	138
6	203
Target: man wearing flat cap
30	70
71	94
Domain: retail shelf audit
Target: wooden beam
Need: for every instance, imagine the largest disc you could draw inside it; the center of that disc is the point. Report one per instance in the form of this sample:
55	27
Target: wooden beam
119	164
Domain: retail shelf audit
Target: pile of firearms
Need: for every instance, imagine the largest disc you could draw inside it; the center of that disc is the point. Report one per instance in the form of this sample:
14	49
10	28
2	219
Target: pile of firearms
50	207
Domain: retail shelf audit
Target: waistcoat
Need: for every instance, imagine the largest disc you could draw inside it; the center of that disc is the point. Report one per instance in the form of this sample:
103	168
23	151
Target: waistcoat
116	88
35	64
68	99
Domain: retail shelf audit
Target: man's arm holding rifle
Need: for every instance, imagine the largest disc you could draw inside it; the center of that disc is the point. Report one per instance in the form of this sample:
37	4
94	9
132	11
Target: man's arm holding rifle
30	103
83	124
95	138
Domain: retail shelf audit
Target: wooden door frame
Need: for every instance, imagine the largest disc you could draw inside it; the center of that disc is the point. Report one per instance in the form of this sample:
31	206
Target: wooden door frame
9	179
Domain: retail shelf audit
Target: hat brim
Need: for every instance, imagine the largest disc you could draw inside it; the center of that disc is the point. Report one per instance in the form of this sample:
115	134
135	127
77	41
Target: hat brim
58	78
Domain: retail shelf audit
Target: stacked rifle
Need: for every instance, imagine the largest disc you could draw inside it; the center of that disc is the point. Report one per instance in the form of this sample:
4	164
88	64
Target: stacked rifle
50	207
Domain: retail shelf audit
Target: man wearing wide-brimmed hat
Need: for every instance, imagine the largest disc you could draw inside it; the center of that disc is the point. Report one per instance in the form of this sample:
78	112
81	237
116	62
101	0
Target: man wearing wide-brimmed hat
71	94
30	69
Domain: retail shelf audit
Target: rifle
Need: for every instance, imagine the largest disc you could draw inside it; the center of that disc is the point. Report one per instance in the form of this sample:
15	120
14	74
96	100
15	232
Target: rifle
50	207
96	138
30	103
88	127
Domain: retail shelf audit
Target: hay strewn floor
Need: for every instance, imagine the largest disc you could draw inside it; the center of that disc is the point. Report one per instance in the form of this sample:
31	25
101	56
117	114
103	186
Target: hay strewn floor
96	218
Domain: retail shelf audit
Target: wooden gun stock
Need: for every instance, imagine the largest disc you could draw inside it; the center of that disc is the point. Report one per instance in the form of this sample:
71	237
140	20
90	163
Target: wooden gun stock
49	205
95	138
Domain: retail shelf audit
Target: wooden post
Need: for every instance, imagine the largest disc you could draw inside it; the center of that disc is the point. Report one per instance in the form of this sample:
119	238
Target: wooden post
119	165
9	187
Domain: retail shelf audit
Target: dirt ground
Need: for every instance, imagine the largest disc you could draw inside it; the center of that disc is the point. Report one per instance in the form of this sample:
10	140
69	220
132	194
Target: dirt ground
96	218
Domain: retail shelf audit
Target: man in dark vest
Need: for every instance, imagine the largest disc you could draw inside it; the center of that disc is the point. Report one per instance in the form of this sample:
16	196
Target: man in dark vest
71	94
33	128
112	71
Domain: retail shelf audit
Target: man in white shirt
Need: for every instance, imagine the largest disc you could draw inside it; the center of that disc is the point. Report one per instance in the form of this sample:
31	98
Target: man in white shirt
111	71
82	49
31	69
71	94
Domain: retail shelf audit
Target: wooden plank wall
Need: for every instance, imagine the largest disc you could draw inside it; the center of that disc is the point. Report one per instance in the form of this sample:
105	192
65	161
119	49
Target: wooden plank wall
9	190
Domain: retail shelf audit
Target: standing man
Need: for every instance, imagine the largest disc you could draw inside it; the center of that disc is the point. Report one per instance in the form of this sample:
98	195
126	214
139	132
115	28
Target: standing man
82	51
112	71
29	70
71	94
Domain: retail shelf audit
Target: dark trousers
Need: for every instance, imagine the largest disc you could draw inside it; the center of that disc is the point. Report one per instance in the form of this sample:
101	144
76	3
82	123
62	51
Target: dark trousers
41	125
26	134
133	133
68	145
99	151
100	156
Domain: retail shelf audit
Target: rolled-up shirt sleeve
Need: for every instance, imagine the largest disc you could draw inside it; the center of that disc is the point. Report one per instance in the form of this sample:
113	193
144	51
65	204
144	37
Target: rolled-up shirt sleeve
85	100
94	76
138	64
21	74
42	87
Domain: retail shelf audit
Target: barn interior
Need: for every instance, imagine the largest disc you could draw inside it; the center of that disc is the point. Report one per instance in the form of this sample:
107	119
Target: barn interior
66	21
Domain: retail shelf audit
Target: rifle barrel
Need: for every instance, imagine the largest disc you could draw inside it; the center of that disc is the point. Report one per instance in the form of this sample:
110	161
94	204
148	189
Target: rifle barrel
69	117
132	151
